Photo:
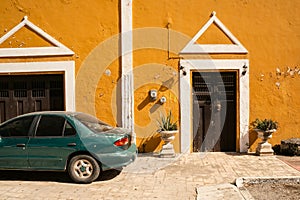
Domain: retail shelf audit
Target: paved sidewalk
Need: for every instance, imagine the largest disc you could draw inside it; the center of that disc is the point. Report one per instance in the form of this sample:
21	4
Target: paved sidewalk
293	161
148	178
219	192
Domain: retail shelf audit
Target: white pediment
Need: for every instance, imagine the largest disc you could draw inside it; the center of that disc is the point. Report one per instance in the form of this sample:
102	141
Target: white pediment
58	49
193	48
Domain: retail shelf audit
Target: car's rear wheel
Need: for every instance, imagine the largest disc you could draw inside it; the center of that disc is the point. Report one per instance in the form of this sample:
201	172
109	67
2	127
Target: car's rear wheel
83	169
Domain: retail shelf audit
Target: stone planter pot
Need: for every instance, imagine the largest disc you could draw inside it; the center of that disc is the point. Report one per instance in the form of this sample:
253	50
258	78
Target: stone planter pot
168	148
264	148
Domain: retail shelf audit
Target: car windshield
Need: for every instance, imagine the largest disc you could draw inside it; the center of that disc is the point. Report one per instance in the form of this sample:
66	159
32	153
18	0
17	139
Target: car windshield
93	123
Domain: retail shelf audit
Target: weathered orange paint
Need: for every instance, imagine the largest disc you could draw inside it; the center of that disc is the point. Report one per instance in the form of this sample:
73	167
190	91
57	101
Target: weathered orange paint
104	102
154	71
81	26
24	38
268	29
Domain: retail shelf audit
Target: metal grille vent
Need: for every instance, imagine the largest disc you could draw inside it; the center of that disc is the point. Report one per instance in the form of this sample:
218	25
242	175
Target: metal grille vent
38	88
20	89
223	85
4	92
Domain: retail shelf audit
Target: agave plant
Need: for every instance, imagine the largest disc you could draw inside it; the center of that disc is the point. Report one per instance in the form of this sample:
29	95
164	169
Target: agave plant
265	125
166	123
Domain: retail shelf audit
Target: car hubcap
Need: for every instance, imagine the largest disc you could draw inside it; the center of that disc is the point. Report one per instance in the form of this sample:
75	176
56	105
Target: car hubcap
83	168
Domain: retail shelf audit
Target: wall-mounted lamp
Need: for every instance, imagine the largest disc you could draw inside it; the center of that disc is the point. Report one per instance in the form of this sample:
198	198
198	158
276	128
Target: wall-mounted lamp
183	70
153	94
245	67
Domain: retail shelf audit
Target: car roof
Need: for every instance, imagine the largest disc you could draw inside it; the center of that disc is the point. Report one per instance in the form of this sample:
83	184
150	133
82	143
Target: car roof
61	113
52	113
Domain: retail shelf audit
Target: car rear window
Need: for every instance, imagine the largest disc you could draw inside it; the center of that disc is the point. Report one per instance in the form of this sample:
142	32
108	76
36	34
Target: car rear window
93	123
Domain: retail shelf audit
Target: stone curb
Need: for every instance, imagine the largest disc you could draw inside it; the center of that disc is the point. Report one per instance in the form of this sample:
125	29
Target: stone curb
240	183
219	192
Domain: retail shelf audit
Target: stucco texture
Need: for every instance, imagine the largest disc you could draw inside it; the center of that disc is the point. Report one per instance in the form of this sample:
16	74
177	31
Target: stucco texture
270	32
87	28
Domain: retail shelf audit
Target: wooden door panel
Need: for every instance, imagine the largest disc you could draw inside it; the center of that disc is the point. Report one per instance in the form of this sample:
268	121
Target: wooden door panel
228	137
198	132
21	94
214	92
2	111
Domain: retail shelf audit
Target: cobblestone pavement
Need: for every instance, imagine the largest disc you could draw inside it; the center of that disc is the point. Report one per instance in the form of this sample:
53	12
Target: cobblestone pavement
148	178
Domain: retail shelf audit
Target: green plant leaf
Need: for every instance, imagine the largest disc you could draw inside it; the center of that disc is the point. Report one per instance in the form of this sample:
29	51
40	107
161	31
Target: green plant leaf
166	123
265	125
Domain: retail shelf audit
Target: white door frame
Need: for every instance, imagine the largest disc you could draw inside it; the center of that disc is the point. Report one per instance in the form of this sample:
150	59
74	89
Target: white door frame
186	106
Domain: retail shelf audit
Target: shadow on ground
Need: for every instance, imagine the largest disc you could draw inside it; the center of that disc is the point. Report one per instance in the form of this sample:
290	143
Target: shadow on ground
239	154
62	177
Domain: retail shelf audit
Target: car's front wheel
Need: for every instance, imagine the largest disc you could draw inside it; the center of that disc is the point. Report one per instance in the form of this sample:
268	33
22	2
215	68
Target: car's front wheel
83	169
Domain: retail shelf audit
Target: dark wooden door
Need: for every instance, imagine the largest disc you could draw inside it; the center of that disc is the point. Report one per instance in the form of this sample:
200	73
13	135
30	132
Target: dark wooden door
214	111
21	94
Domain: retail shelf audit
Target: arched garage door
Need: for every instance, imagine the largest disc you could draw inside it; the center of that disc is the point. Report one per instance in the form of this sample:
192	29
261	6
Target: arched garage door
21	94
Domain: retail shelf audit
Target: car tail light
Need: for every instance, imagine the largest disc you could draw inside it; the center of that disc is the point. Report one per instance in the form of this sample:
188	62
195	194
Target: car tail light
122	142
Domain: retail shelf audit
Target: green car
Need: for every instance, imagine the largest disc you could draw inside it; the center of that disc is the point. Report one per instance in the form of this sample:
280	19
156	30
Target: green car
65	141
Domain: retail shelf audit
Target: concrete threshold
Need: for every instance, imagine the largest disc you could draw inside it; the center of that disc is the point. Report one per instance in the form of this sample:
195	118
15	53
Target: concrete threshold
219	192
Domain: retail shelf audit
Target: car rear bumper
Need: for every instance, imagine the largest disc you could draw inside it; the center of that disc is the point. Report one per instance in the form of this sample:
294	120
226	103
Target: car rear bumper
118	159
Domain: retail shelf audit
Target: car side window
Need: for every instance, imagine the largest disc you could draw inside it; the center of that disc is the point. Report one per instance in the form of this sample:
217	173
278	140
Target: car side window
69	130
17	128
50	125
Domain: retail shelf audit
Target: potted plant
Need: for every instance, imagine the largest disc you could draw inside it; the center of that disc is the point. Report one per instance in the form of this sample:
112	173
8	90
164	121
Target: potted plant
265	128
166	123
167	130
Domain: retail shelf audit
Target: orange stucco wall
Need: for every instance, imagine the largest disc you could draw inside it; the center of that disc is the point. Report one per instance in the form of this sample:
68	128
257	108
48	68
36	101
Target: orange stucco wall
269	30
81	26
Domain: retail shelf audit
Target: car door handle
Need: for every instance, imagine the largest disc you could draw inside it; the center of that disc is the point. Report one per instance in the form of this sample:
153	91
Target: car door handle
72	144
20	145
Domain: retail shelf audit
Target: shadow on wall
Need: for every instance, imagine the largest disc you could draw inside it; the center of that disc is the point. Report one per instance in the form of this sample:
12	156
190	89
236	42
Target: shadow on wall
144	103
150	144
148	139
253	140
148	100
